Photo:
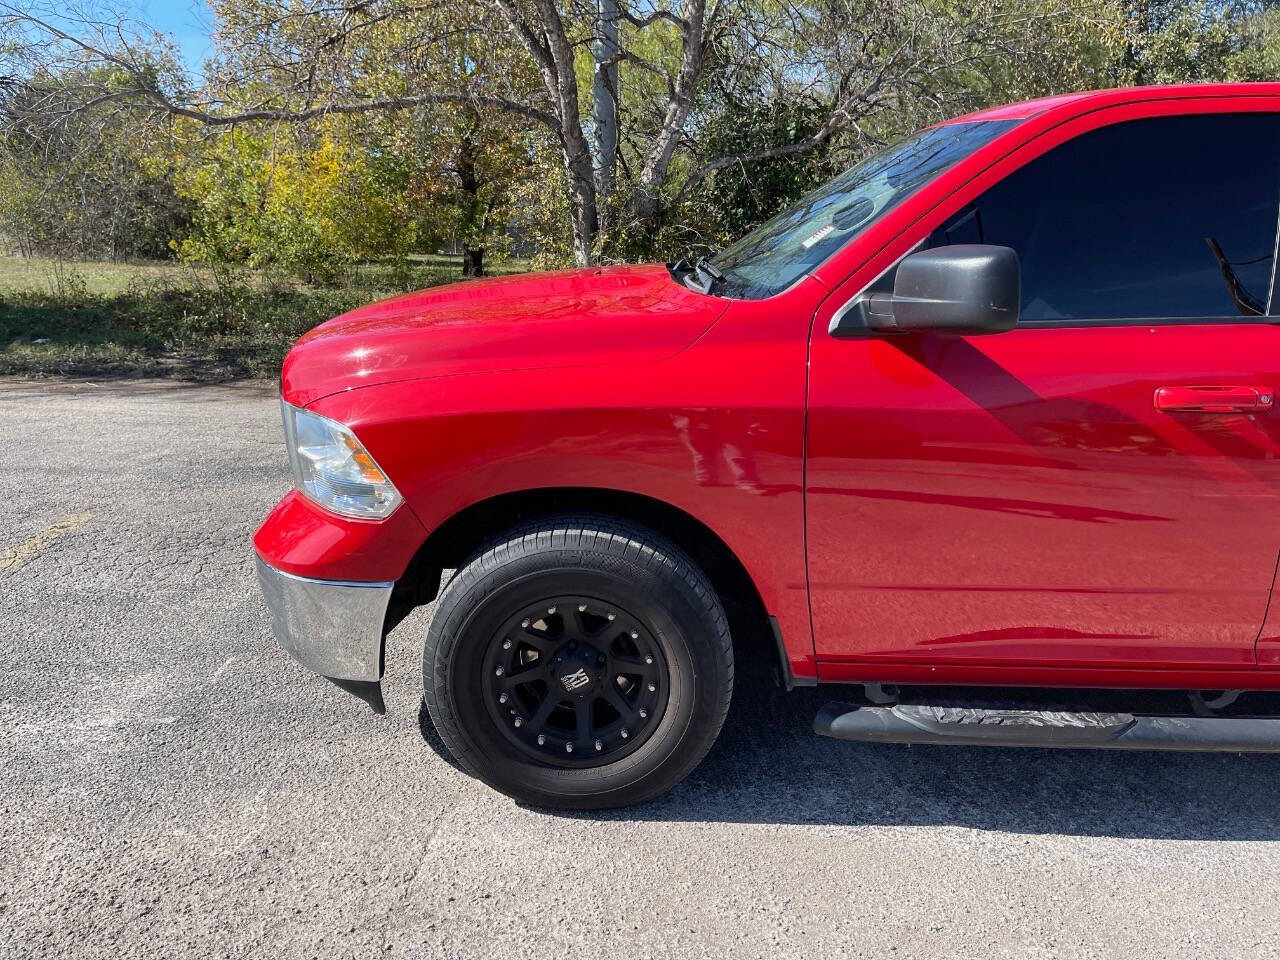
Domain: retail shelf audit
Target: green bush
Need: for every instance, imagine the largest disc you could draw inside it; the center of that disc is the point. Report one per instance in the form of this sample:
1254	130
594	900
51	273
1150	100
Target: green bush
199	333
58	318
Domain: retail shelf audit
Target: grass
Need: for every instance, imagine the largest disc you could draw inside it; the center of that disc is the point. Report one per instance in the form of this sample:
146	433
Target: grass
63	318
38	274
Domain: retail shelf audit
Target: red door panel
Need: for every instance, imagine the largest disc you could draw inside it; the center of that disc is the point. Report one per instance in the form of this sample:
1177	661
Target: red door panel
1019	498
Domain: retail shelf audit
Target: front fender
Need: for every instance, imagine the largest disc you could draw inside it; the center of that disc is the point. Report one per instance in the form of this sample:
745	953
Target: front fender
699	431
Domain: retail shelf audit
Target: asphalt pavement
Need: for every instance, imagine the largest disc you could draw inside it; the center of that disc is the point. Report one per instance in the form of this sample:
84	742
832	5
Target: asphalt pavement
172	784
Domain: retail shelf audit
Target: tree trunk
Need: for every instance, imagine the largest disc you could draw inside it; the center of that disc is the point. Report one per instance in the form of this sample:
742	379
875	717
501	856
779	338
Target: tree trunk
579	169
548	44
469	182
654	172
582	202
472	261
605	100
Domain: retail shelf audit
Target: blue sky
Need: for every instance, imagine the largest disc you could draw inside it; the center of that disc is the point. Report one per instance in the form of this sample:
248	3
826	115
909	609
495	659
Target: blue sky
187	21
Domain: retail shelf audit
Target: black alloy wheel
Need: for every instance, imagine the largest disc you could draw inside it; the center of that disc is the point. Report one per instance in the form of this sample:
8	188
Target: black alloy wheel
575	682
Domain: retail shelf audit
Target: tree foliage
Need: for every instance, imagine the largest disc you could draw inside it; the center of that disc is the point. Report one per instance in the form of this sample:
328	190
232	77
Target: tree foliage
1202	42
327	131
266	197
87	185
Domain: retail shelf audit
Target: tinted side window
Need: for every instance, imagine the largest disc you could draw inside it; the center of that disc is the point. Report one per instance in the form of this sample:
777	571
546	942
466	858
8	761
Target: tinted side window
1165	217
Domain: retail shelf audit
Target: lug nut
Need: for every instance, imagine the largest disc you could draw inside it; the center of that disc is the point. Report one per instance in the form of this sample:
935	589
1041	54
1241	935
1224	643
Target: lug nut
551	609
625	733
499	671
503	697
518	722
613	616
599	745
634	635
525	624
542	738
506	644
568	748
652	687
648	658
582	608
643	713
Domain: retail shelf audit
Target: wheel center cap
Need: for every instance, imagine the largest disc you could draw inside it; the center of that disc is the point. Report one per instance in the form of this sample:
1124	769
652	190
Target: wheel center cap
578	671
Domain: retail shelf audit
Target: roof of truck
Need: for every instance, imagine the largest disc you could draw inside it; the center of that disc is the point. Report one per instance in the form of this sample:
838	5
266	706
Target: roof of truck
1031	108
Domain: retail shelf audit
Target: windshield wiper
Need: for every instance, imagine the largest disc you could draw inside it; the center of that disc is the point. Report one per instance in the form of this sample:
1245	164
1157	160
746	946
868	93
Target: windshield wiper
702	275
708	273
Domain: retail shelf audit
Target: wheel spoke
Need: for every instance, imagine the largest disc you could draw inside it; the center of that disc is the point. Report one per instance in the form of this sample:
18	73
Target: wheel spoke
539	641
616	700
582	714
634	666
586	629
526	672
539	718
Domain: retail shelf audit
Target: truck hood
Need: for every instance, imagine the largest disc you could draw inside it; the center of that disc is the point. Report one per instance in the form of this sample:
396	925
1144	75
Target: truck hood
632	314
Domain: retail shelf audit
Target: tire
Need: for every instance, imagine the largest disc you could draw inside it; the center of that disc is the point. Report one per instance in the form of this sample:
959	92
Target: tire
576	609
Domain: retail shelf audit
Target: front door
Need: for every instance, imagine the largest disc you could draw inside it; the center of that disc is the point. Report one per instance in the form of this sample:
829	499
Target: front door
1099	487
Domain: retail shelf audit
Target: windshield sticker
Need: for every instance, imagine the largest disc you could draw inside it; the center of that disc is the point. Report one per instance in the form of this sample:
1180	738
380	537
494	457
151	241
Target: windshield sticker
818	236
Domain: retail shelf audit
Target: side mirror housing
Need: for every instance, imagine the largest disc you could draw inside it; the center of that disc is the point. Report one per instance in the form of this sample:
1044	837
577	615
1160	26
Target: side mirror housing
961	289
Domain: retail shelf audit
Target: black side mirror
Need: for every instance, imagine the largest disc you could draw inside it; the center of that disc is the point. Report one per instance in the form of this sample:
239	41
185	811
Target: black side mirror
965	289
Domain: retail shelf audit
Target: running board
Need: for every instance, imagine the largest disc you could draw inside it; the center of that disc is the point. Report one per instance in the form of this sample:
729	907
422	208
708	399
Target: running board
977	726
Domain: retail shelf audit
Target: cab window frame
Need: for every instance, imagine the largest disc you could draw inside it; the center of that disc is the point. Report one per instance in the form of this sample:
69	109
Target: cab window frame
1144	147
916	235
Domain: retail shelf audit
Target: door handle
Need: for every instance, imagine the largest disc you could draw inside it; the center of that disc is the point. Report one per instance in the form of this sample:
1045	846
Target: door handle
1214	399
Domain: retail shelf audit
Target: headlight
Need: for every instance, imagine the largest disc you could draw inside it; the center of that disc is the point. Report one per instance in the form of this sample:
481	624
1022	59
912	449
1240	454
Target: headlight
333	469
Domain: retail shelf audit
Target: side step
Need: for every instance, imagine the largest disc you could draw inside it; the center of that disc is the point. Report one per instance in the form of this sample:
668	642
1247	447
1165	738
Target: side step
979	726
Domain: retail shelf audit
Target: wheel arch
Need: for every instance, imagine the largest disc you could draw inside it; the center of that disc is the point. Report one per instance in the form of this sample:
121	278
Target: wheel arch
755	632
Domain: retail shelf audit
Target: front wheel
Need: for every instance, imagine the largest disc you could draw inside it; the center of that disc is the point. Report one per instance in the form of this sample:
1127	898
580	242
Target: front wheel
581	662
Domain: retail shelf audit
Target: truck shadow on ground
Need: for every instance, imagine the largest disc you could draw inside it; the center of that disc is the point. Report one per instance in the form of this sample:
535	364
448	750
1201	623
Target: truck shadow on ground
768	767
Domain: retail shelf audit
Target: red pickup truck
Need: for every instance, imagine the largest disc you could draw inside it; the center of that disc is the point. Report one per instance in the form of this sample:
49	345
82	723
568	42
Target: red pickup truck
994	408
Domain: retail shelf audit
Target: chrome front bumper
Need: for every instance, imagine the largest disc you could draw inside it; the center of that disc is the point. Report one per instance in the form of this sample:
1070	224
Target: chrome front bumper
333	627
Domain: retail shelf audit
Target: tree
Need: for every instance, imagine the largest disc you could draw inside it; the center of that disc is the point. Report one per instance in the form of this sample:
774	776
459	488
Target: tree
84	183
762	132
1205	41
651	108
856	59
467	163
308	199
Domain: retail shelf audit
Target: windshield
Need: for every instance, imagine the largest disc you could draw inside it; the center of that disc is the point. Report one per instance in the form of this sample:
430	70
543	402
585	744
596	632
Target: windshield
778	253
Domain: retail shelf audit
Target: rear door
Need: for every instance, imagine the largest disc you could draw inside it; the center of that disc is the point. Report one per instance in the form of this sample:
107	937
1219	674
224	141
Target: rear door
1100	486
